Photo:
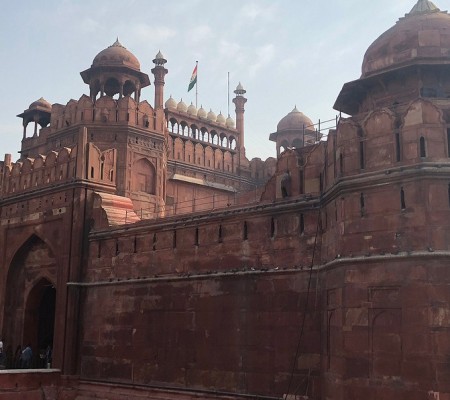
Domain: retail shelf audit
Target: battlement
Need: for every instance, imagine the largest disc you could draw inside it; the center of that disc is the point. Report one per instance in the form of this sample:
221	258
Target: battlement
33	173
106	110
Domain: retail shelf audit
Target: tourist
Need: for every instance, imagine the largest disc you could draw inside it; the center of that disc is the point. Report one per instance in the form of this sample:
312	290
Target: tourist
48	357
26	357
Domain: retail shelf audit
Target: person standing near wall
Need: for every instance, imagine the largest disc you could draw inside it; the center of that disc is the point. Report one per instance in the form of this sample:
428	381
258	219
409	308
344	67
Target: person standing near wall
2	355
26	357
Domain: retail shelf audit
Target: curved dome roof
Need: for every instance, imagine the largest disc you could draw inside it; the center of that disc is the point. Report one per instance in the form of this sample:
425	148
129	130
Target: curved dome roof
230	123
202	112
171	103
116	55
182	106
420	36
294	120
192	110
221	119
212	116
40	104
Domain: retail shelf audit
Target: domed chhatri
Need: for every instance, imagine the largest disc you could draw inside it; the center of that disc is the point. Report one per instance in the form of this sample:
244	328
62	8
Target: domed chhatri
230	123
221	119
115	70
417	45
171	103
420	37
40	104
192	110
212	116
295	130
116	55
182	106
295	120
202	113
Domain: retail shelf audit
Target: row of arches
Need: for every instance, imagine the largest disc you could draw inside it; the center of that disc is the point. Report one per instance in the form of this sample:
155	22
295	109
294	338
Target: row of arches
114	87
203	134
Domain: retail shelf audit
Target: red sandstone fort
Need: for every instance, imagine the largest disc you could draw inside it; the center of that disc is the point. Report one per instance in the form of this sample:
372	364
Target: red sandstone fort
158	262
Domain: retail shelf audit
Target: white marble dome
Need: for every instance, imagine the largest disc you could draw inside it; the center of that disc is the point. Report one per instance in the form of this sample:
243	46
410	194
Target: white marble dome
182	106
171	103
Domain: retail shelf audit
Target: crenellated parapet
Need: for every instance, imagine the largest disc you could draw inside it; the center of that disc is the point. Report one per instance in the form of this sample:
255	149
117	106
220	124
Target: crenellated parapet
105	110
260	170
33	173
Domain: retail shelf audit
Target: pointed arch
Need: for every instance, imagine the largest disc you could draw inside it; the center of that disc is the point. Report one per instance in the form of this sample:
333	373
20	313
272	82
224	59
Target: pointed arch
144	177
32	269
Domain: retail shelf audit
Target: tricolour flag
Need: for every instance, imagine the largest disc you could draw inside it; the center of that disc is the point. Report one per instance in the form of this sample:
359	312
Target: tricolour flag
193	80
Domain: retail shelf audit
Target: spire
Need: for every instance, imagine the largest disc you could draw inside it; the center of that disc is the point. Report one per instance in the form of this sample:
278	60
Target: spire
117	43
159	59
423	7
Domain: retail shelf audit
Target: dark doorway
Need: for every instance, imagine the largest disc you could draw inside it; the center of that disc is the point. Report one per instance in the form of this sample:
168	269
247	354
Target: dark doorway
40	320
47	317
29	313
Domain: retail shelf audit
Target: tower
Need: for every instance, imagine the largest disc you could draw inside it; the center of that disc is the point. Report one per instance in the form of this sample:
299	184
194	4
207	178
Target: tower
160	72
389	192
240	101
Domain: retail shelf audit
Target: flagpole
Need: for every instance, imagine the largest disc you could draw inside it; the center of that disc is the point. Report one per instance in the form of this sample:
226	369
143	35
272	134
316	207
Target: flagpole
196	87
228	94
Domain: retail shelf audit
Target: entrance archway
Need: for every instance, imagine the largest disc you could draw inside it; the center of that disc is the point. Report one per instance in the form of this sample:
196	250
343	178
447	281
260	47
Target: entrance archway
30	299
39	321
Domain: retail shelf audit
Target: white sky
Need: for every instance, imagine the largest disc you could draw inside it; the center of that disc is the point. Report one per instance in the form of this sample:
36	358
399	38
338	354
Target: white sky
285	52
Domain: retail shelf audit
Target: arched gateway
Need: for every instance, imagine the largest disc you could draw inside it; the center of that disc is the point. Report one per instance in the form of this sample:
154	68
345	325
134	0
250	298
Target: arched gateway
29	315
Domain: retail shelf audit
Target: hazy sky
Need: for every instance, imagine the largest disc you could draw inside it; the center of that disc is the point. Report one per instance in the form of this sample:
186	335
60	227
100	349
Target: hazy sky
285	52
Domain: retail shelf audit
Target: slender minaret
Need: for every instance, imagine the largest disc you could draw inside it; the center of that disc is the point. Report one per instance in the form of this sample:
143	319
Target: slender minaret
240	101
160	72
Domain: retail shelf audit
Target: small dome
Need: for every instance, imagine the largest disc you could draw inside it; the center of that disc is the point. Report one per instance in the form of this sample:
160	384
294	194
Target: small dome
202	112
230	123
182	106
192	110
221	119
240	89
40	104
212	116
419	37
116	55
171	103
159	59
294	120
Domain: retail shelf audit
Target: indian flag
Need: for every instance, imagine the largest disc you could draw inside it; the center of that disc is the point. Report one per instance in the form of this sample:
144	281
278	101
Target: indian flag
193	80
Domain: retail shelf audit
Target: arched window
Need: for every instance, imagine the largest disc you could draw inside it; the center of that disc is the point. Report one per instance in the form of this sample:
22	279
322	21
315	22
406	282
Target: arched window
402	199
362	204
144	177
423	152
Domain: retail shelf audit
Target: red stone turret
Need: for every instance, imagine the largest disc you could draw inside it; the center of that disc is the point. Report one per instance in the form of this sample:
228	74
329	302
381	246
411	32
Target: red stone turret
160	72
240	101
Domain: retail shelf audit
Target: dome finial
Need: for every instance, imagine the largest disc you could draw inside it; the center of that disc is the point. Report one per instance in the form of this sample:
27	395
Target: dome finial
159	59
117	43
240	91
423	7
